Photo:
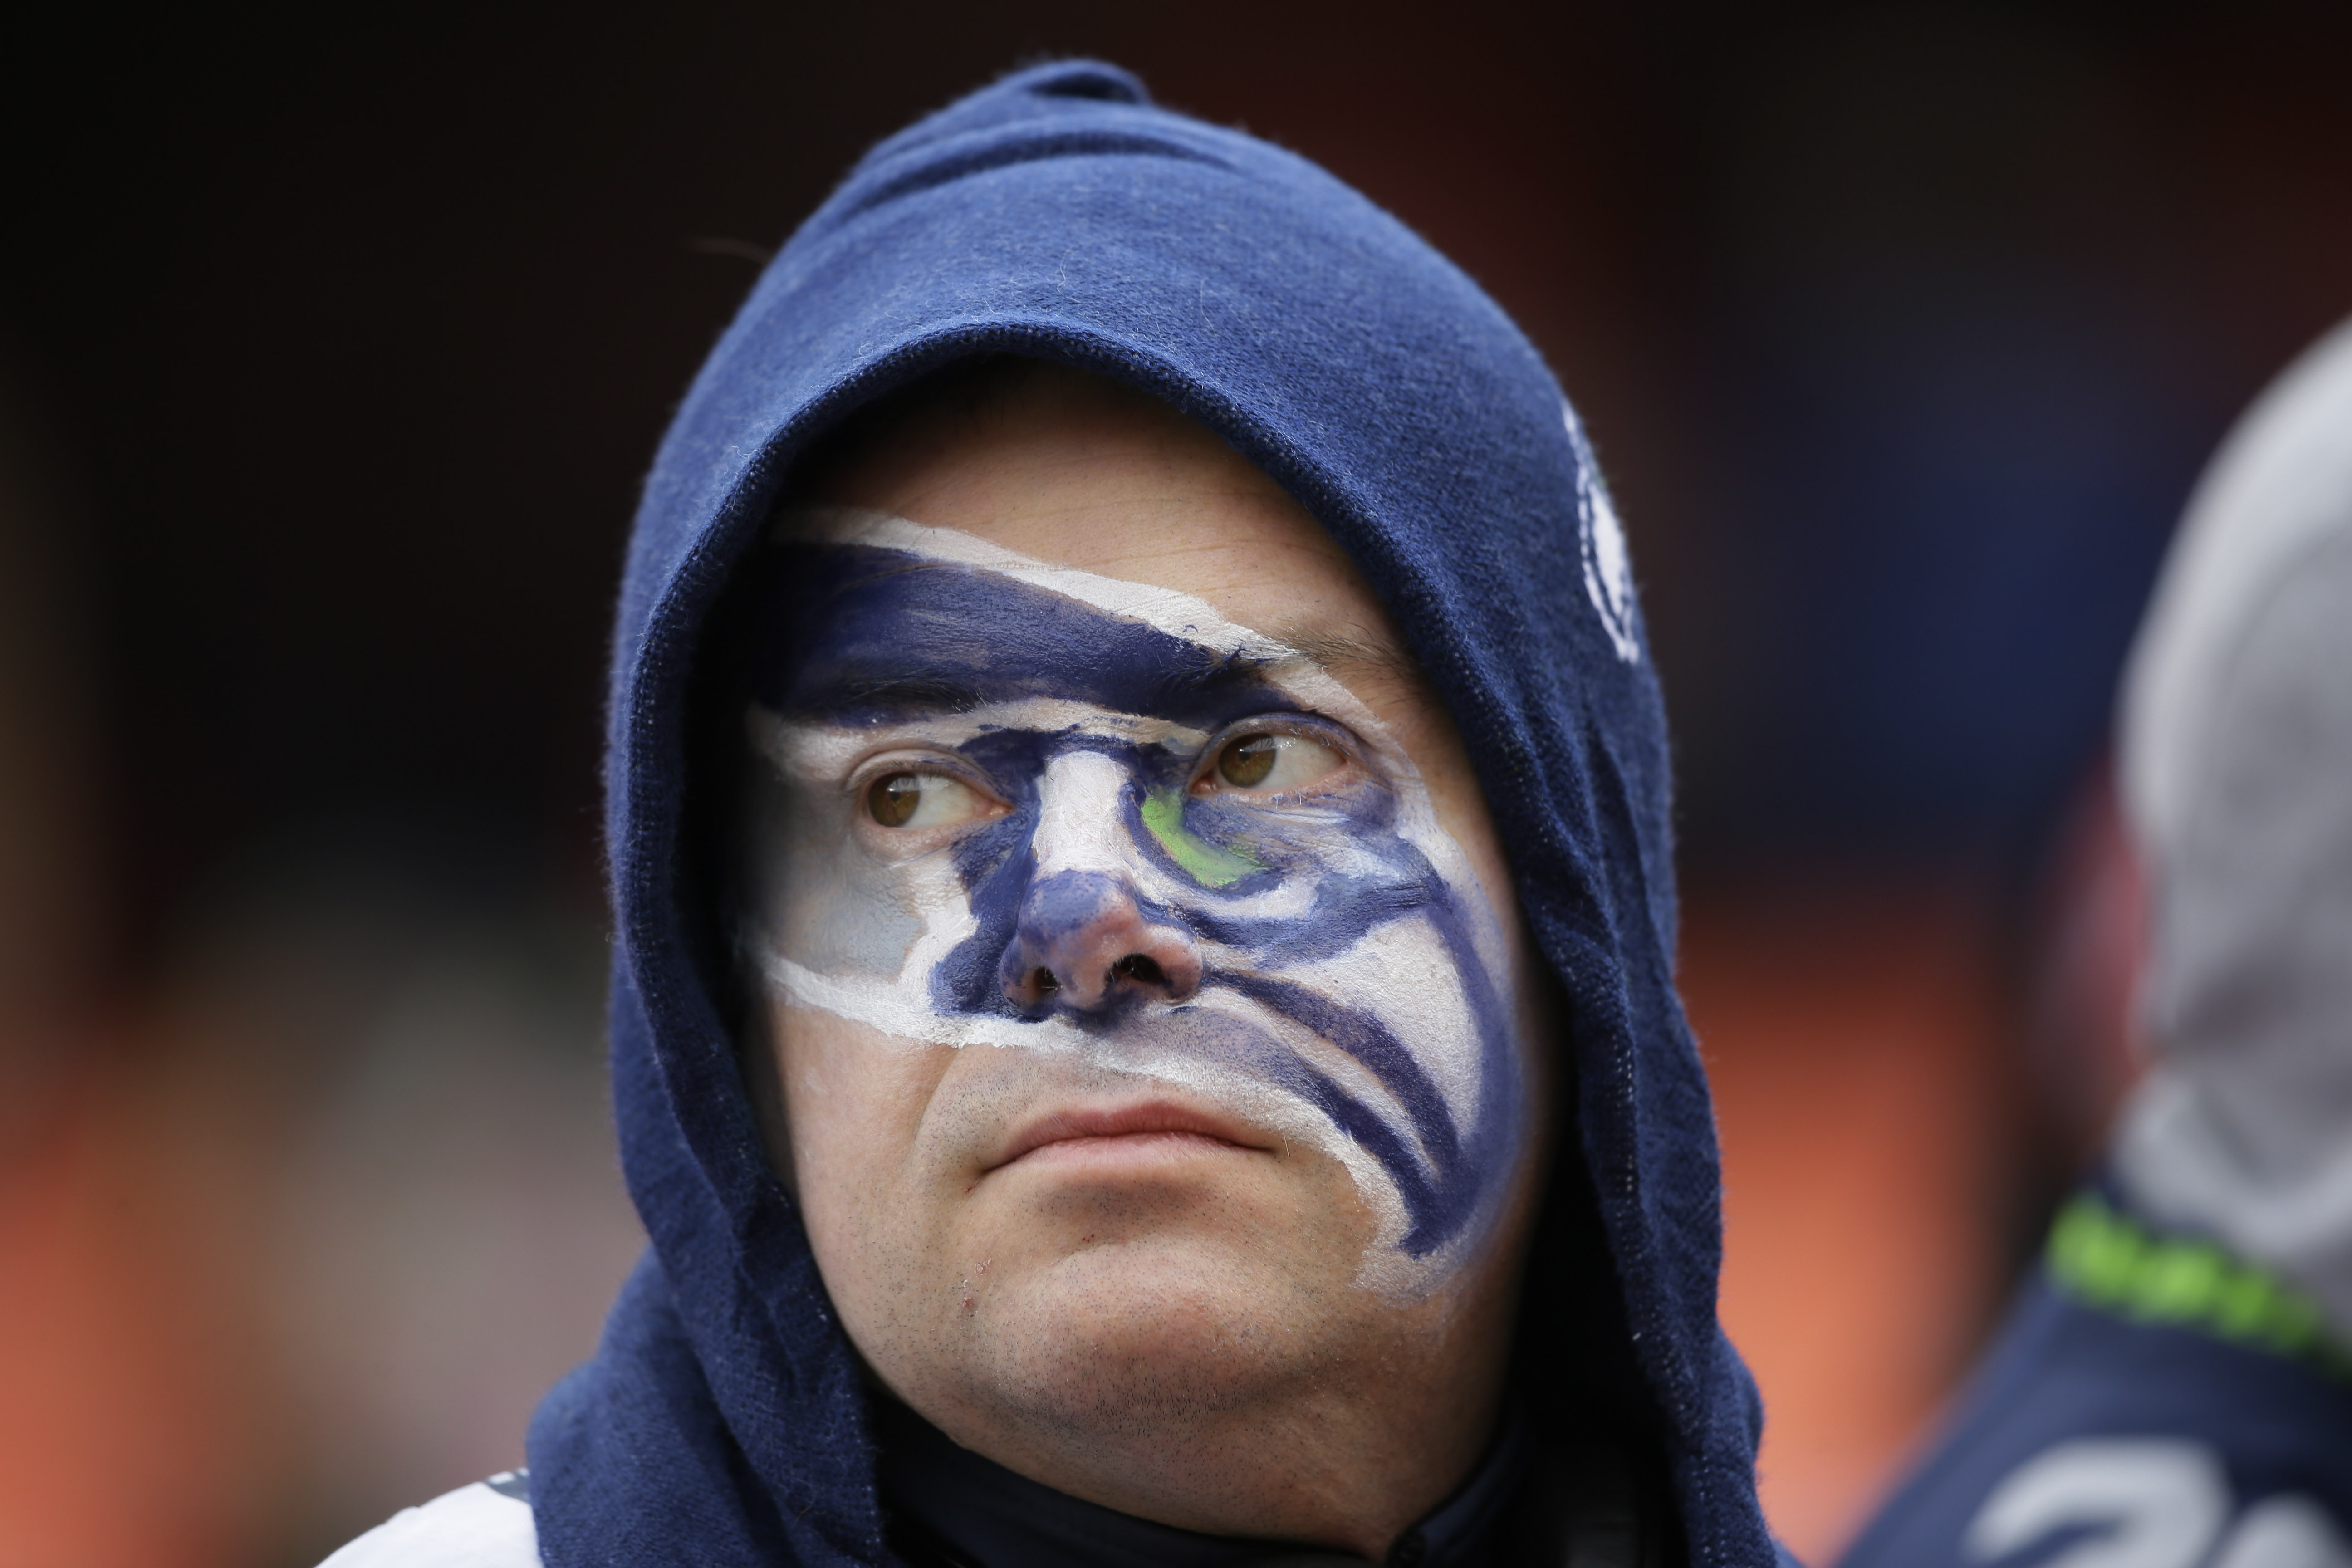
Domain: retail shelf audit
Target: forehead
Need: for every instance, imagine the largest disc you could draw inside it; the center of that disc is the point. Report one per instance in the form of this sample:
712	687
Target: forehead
1058	466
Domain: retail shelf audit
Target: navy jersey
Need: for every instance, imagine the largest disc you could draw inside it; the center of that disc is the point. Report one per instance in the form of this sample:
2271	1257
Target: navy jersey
2150	1402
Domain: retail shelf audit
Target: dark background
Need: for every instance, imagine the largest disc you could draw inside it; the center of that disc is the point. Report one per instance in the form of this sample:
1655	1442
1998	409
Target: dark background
333	343
352	333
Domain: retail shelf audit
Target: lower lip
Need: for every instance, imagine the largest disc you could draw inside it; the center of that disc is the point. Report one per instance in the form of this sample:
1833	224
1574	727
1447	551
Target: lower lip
1126	1147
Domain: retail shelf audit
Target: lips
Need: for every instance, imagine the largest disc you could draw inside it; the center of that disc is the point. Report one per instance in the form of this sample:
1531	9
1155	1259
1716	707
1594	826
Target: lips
1105	1128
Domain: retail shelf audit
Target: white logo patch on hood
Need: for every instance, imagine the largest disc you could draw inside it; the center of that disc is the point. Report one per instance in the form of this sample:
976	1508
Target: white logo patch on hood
1607	564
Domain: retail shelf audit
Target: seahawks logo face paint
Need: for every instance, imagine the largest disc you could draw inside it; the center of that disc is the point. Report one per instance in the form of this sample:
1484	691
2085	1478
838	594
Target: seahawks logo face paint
1006	803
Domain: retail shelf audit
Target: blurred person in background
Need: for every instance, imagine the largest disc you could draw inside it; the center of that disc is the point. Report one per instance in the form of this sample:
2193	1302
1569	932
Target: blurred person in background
2174	1388
1144	1026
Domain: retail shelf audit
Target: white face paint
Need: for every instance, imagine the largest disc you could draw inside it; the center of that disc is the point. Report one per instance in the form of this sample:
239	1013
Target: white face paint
995	802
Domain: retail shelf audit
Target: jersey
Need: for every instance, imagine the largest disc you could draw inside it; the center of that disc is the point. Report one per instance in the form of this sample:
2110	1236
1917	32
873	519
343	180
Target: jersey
2151	1402
484	1525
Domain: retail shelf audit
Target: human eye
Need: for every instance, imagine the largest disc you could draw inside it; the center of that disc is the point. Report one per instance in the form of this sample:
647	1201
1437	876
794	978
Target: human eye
1269	763
912	800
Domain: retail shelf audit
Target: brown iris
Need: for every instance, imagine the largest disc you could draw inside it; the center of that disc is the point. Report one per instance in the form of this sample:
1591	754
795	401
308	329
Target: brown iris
892	801
1246	763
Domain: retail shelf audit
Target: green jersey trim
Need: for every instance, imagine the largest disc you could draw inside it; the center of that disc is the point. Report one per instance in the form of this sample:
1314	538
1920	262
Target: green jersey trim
2110	1262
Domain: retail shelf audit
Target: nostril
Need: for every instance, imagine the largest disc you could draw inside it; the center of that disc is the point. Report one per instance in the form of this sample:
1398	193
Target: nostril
1141	968
1082	944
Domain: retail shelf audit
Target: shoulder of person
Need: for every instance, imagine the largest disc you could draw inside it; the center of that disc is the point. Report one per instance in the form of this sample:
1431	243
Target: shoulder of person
484	1525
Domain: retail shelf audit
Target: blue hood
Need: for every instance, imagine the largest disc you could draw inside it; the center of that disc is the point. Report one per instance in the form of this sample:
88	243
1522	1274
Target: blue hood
1058	213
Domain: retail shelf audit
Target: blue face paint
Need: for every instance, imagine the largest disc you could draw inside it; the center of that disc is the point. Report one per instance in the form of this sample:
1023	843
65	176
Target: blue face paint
1323	950
857	633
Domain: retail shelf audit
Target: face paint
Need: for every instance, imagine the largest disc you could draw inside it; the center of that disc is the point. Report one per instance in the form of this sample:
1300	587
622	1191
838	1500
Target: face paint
972	771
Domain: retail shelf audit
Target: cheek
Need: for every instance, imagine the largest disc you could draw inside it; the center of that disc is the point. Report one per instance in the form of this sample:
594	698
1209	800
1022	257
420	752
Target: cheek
853	1105
822	899
1482	881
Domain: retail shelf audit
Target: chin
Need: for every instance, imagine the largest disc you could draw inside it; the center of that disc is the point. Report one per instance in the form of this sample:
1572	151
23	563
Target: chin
1152	1335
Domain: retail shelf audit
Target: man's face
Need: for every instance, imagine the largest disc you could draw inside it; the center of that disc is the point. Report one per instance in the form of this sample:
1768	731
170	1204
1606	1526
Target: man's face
1142	975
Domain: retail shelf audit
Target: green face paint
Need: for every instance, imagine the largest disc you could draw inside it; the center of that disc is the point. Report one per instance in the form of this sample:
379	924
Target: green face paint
1209	866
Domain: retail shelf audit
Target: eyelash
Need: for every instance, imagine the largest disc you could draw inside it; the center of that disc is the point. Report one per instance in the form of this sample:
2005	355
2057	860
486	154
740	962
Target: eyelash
867	775
1331	737
864	779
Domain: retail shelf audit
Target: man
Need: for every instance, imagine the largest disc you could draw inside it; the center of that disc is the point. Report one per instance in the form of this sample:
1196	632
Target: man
2174	1387
1143	1030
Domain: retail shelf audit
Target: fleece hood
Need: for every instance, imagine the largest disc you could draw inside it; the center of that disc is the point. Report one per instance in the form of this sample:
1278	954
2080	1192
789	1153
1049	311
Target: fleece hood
1059	215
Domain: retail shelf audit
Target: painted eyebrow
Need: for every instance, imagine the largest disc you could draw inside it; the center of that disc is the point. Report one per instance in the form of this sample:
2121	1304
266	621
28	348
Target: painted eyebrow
1333	649
1328	649
890	685
895	689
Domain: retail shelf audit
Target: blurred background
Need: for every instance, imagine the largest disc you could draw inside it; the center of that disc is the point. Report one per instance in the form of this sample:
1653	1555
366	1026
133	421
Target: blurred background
332	344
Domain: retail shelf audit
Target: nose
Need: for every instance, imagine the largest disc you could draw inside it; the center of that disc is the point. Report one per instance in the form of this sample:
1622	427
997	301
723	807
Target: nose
1083	943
